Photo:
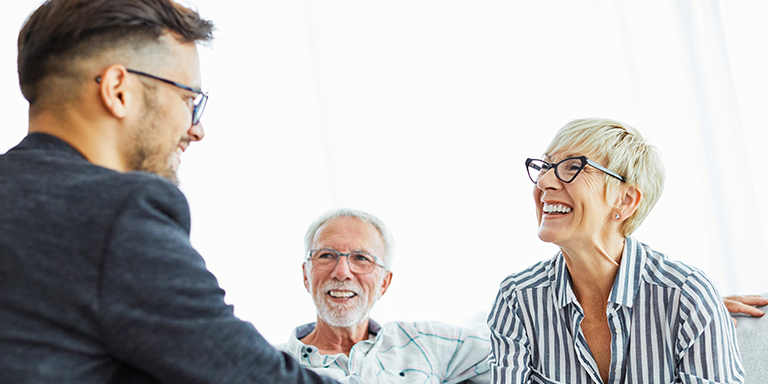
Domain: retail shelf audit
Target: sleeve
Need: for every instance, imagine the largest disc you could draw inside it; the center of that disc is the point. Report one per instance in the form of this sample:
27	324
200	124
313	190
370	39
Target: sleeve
468	361
706	349
161	311
510	353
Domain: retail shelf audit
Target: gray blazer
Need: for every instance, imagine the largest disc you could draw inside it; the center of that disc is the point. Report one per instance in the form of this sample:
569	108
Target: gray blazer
99	283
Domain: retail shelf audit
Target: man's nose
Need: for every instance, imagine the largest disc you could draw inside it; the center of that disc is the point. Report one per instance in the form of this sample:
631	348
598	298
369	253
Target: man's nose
341	271
196	132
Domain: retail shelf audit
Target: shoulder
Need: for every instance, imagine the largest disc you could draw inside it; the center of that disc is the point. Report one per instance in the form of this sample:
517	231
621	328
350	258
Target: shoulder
434	328
662	270
694	286
138	183
139	196
285	347
294	344
153	188
47	181
535	276
46	163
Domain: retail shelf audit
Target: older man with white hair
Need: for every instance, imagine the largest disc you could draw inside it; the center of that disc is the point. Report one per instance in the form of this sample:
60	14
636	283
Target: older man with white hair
345	341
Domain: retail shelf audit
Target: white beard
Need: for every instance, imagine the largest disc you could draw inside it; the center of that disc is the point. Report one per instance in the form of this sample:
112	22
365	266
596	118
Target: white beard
344	315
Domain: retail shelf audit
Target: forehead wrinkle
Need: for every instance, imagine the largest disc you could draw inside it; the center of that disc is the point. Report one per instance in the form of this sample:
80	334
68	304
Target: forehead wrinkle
339	230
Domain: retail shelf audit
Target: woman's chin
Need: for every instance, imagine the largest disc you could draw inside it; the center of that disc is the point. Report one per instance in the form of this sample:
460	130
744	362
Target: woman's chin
547	235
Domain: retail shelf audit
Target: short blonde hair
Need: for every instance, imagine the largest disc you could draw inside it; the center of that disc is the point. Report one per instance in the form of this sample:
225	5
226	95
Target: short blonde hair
621	149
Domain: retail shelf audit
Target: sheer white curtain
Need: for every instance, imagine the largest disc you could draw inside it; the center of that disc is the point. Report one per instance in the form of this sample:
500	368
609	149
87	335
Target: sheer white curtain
422	112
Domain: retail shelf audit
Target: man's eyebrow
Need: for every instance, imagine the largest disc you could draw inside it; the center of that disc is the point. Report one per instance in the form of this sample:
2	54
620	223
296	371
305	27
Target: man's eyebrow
361	251
356	250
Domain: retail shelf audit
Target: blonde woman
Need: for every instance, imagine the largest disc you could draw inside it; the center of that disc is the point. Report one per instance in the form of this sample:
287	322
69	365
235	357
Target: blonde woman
606	308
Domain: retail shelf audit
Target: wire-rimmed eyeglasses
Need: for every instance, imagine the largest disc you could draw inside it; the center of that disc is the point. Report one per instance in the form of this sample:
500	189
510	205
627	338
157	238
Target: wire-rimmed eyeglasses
566	170
200	100
198	104
326	259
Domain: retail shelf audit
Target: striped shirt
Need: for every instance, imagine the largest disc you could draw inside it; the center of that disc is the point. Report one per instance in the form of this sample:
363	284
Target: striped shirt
402	352
667	320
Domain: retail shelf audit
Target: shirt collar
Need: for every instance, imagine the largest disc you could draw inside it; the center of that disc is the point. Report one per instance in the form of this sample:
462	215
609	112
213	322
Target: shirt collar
561	281
300	332
628	278
625	286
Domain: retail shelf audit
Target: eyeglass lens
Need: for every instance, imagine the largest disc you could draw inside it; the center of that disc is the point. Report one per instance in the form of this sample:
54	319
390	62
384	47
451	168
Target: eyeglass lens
358	262
199	107
565	170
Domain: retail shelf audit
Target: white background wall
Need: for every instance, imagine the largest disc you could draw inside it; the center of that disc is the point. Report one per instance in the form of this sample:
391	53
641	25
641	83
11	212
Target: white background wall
422	112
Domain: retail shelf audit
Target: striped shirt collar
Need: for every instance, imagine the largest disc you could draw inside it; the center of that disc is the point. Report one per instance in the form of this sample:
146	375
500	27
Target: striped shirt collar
625	286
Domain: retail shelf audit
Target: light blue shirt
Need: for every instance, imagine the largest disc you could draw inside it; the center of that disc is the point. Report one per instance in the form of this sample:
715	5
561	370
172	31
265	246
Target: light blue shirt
668	323
401	352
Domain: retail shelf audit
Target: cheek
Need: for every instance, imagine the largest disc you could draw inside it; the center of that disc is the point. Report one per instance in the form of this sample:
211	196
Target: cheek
537	202
372	284
314	280
536	193
178	119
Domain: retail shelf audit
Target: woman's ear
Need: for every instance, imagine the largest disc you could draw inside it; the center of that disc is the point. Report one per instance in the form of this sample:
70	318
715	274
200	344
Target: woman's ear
114	91
629	200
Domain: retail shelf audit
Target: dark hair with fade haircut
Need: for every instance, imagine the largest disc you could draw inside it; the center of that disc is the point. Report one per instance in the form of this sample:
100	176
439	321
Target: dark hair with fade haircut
61	31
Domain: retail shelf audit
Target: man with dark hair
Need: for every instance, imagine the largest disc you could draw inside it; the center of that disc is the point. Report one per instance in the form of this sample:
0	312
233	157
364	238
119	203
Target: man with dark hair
98	280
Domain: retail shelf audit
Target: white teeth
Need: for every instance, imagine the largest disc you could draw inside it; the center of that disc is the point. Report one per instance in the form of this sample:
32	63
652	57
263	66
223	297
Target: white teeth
341	294
556	208
179	150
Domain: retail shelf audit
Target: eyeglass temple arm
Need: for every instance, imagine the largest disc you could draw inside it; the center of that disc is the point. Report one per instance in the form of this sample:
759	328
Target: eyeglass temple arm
604	169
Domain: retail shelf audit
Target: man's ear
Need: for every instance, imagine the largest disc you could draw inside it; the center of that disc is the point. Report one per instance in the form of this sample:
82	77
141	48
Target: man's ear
629	200
114	91
385	282
304	273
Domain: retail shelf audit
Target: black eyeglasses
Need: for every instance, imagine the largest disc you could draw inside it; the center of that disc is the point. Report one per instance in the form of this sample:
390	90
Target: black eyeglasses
326	259
566	170
200	100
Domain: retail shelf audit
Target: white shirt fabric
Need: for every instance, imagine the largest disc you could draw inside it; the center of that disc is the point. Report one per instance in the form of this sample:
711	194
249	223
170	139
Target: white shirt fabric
668	323
402	352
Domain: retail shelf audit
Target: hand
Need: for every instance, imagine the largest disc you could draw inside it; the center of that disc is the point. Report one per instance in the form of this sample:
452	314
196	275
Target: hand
745	304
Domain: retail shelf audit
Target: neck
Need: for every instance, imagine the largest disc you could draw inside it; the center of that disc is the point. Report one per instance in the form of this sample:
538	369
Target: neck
97	142
593	267
331	340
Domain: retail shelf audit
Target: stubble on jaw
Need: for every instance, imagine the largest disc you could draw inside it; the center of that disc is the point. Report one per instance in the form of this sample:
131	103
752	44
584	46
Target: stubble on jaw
147	152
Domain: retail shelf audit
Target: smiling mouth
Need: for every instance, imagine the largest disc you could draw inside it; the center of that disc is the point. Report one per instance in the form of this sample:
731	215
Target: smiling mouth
556	209
341	294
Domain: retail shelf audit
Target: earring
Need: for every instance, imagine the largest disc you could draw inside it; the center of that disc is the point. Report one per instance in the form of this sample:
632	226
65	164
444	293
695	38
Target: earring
617	216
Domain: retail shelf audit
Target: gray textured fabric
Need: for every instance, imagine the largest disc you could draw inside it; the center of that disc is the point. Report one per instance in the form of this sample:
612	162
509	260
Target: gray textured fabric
752	336
100	283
